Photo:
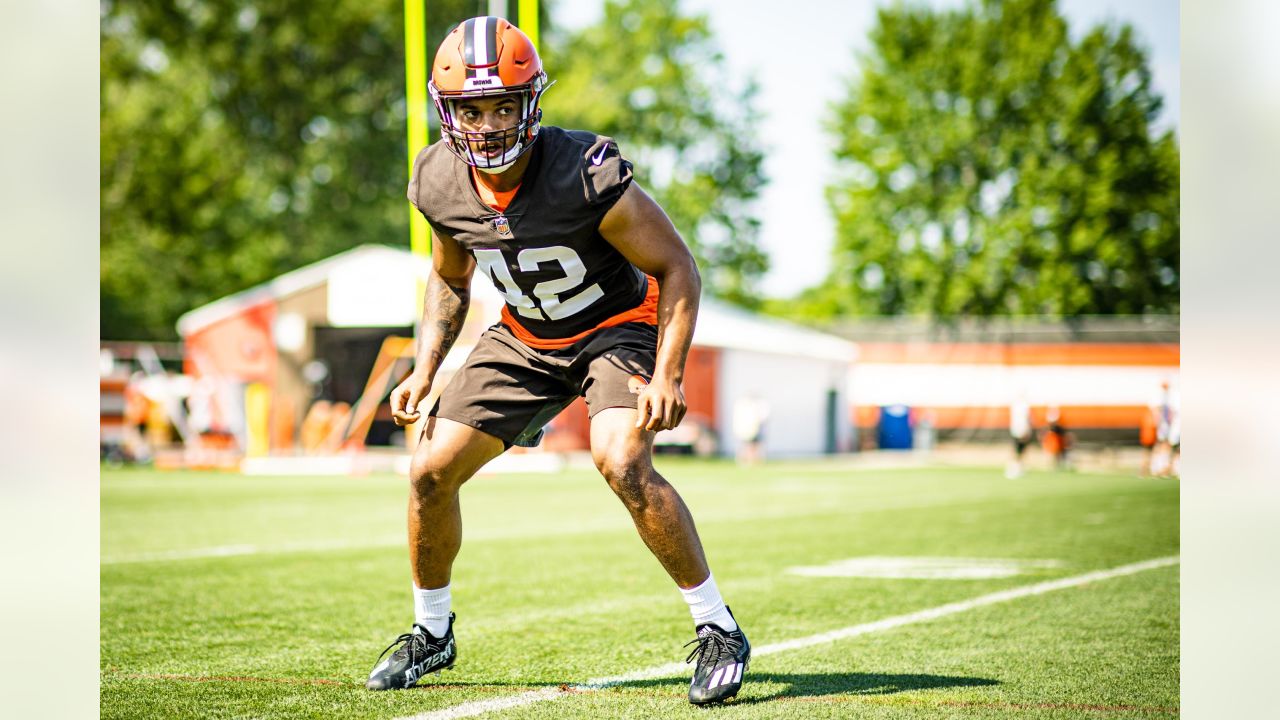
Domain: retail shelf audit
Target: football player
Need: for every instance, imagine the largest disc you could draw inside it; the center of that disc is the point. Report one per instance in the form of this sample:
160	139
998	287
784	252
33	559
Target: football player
601	298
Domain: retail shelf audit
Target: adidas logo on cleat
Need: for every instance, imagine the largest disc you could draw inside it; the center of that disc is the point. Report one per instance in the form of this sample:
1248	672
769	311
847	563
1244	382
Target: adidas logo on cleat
725	675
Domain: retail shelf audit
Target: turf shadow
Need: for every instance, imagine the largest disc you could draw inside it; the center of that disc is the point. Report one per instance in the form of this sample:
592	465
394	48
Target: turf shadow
796	685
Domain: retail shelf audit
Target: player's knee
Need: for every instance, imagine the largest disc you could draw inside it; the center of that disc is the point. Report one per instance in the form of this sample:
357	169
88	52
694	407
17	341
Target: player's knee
628	473
429	478
616	462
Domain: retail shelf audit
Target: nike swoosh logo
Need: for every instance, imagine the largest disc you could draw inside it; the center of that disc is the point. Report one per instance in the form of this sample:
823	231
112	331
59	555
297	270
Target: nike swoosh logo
599	158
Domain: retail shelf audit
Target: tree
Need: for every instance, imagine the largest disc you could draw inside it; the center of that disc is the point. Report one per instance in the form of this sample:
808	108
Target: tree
992	166
240	141
644	75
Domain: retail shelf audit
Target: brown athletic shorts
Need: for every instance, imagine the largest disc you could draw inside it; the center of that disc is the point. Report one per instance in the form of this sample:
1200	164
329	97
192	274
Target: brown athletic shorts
509	390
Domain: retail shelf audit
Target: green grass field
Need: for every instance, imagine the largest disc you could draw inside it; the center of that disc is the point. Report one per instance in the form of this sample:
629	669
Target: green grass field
234	597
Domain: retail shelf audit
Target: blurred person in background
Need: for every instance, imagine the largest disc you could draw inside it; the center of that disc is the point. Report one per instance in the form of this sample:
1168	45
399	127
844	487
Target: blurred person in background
750	413
579	251
1057	439
1021	432
1147	436
1175	444
1168	430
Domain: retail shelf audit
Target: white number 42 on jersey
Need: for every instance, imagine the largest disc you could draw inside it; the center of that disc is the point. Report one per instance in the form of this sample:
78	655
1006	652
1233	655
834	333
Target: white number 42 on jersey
548	292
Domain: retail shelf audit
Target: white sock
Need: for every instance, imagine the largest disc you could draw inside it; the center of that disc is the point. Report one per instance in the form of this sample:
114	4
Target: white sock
706	605
431	609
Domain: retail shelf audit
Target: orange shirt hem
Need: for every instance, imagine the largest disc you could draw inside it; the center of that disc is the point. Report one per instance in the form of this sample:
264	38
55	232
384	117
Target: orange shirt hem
645	312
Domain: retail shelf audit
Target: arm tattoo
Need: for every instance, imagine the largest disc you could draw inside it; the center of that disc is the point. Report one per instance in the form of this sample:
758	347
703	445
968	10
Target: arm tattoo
444	312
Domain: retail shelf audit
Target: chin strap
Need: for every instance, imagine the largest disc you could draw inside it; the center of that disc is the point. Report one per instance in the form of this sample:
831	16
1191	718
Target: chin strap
514	154
496	170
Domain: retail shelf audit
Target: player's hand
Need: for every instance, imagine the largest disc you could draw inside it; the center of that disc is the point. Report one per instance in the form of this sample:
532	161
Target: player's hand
407	395
660	406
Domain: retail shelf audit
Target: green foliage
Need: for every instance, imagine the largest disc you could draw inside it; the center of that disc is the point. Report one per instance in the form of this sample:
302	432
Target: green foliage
653	78
240	141
992	166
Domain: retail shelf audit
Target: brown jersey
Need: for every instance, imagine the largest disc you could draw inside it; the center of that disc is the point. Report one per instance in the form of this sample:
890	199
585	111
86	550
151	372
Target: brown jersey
544	252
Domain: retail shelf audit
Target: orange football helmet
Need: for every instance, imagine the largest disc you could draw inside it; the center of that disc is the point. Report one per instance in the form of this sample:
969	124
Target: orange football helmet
482	57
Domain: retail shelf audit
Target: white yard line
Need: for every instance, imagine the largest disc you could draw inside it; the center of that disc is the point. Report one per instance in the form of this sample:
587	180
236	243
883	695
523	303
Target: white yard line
479	707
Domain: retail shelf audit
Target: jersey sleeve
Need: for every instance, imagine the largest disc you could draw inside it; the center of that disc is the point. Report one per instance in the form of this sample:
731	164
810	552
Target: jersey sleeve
415	180
425	189
605	174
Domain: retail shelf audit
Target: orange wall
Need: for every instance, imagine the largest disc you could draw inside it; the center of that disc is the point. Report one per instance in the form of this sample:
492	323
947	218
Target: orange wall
1145	354
571	430
701	383
886	368
239	348
997	417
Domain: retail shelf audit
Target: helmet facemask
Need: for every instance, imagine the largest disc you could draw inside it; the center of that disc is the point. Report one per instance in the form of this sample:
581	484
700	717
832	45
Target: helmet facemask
514	141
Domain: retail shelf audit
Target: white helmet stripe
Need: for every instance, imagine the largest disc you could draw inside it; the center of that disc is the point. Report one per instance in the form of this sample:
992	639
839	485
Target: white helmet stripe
485	39
480	45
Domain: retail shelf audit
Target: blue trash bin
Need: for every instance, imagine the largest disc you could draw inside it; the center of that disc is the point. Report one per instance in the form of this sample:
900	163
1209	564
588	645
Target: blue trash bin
895	427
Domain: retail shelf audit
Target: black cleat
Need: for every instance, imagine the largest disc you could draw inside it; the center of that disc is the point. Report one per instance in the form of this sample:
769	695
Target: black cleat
722	658
420	654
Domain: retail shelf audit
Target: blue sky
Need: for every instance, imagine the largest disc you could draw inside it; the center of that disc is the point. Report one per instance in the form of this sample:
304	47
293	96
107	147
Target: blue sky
797	227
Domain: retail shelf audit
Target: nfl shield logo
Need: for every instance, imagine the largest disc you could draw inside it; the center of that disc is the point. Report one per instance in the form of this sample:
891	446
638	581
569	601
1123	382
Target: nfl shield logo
501	225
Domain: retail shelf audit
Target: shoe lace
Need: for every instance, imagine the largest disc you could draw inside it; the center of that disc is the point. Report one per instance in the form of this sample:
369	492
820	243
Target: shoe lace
711	645
414	642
